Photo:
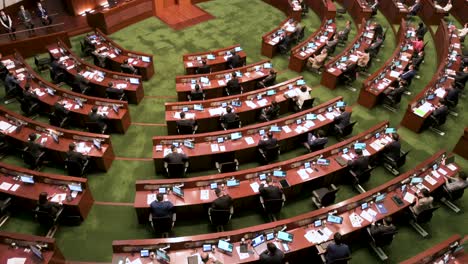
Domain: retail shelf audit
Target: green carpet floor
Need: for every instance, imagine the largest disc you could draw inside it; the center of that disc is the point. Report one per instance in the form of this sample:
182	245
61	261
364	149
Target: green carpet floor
91	241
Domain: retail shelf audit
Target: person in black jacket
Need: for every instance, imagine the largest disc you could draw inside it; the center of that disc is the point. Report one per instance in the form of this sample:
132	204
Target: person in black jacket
272	255
269	191
196	93
267	143
46	206
270	112
337	250
379	230
228	117
186	122
393	148
75	156
360	164
235	60
319	140
452	95
421	30
95	117
128	68
43	15
233	86
34	148
175	157
343	119
223	202
204	68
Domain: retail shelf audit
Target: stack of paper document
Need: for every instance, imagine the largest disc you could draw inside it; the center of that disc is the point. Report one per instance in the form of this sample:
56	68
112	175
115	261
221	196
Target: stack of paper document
250	104
4	126
430	180
5	186
423	109
249	140
204	194
308	124
262	102
367	216
82	147
151	197
303	174
255	186
216	111
442	171
321	117
286	129
409	197
16	261
187	115
300	129
59	197
356	220
214	148
452	167
435	174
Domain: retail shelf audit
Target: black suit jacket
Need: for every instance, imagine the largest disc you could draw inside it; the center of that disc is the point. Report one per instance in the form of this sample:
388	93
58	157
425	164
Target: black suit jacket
235	61
76	157
222	203
393	149
228	118
185	122
359	165
381	230
233	84
49	207
175	158
203	69
268	143
452	95
270	192
34	148
342	120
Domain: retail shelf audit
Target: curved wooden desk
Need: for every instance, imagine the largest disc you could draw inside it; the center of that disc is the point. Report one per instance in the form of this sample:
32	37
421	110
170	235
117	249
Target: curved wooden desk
430	14
437	253
207	151
313	45
217	80
459	11
219	63
299	178
376	85
357	9
51	253
271	39
462	146
251	106
117	122
117	55
56	151
301	226
393	10
134	91
26	195
290	8
325	9
333	71
419	109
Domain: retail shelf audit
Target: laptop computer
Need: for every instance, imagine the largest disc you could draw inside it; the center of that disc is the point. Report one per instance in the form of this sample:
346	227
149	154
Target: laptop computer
27	179
177	191
258	244
162	256
75	187
225	247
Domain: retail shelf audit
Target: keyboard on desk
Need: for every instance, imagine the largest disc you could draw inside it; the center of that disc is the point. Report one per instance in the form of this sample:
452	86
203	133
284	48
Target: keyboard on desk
342	161
192	259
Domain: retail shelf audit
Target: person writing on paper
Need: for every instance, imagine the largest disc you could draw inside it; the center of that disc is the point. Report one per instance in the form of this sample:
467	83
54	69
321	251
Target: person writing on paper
392	149
272	255
269	191
228	117
423	202
270	112
161	208
46	206
128	68
315	141
175	157
75	156
204	68
302	95
456	183
315	62
337	250
359	164
267	142
379	230
223	200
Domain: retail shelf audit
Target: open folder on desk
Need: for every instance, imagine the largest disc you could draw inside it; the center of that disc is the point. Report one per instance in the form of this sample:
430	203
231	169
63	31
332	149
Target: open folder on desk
16	261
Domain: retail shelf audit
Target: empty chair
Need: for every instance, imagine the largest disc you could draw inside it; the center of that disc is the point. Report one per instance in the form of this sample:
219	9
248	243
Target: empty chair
232	124
5	203
272	207
75	168
360	178
268	155
42	64
309	103
29	107
96	127
85	49
392	164
220	217
324	196
176	170
34	162
60	117
163	225
342	133
227	166
5	146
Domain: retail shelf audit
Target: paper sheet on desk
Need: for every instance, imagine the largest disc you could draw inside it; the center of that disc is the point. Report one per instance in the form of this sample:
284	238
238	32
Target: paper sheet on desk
321	117
249	140
250	104
365	152
59	197
442	171
187	115
189	64
151	197
5	186
430	180
16	261
346	156
204	194
15	187
222	148
216	111
255	186
376	145
81	147
367	216
4	126
452	167
395	74
355	219
286	129
291	93
262	102
303	174
214	148
308	124
300	129
371	212
435	174
409	197
241	255
330	116
440	92
221	82
137	261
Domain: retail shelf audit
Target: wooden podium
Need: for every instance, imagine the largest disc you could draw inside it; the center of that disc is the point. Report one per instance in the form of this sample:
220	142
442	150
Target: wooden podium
179	14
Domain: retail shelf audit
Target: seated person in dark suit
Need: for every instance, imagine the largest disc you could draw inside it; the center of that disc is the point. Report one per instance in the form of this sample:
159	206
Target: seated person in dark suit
331	44
95	117
269	80
204	68
175	157
57	69
100	58
379	230
3	69
267	142
359	164
46	206
43	15
395	93
461	77
272	255
456	183
317	140
343	119
418	59
408	76
337	250
423	202
378	30
114	93
29	96
234	61
374	48
452	95
421	30
233	86
270	112
349	73
127	67
441	112
414	9
228	117
161	208
269	191
34	148
12	83
75	156
223	202
393	148
343	34
196	94
186	122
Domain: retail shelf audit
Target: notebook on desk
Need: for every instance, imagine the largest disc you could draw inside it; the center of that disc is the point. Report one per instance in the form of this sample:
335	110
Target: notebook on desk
342	161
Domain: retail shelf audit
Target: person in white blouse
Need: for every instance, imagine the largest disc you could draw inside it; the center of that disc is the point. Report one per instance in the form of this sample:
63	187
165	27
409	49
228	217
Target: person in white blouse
7	24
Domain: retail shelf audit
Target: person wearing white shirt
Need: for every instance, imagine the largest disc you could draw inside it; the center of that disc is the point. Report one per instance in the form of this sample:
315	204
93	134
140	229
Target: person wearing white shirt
303	94
5	20
446	8
462	32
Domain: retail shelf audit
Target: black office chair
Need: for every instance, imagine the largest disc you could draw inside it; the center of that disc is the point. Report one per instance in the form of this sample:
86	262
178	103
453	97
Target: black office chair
34	163
344	260
233	90
196	96
269	155
232	125
5	146
315	148
96	127
29	108
228	166
309	103
59	118
76	169
382	240
324	196
186	129
391	102
358	179
47	220
42	64
285	45
5	203
451	196
116	94
85	49
57	77
163	225
128	70
435	123
392	165
81	86
270	116
342	133
298	36
220	218
423	217
272	207
268	81
176	170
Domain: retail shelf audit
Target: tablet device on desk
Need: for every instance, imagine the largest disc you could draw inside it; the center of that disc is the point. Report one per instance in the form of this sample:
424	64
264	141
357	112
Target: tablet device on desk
330	109
237	49
193	81
300	82
220	140
162	190
258	240
343	59
236	135
213	185
97	143
377	135
275	129
37	252
262	176
360	146
329	21
178	191
115	108
390	130
317	223
345	150
285	236
50	91
278	173
238	74
204	80
27	179
267	65
435	166
261	132
364	206
236	103
299	121
311	117
271	92
334	219
270	236
224	105
259	97
145	59
380	198
325	162
198	107
210	56
55	137
357	45
144	253
184	109
340	104
232	183
225	246
284	183
206	247
163	256
134	81
307	165
189	144
75	187
430	97
176	144
416	180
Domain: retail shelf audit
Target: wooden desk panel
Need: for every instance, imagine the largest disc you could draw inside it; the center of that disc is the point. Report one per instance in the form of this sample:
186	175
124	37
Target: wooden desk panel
459	11
203	158
193	60
117	122
462	146
26	196
436	253
72	62
289	7
271	39
51	253
325	9
430	14
29	47
301	52
358	9
215	89
56	151
182	247
145	69
393	10
208	122
244	195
